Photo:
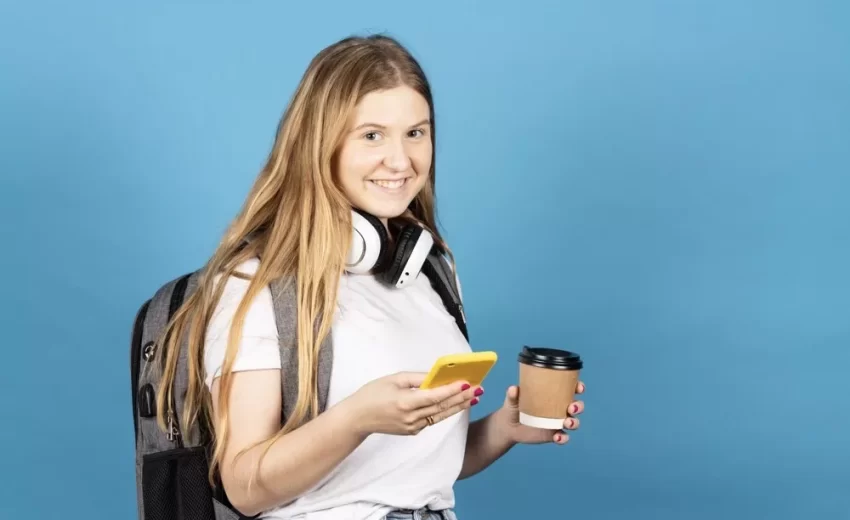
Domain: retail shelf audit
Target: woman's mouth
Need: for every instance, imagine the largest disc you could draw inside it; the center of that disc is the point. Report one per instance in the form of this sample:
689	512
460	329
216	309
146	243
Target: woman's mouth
387	185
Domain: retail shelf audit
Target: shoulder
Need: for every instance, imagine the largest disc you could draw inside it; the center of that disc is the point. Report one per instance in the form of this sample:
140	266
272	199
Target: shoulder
257	345
260	317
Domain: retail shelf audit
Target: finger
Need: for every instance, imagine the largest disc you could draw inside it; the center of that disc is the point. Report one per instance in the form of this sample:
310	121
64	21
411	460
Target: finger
451	405
512	397
576	407
580	387
432	396
571	423
439	414
409	379
560	438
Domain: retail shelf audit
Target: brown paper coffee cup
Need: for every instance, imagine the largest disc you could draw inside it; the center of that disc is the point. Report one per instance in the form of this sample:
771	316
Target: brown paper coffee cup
547	385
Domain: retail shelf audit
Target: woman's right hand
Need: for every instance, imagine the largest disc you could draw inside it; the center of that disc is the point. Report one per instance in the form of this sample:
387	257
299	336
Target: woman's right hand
396	405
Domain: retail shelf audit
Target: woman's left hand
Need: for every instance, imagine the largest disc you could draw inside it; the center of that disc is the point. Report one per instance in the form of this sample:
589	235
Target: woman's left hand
522	434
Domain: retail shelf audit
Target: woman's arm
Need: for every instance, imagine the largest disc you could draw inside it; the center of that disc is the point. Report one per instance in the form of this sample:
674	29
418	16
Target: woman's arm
486	441
300	459
295	462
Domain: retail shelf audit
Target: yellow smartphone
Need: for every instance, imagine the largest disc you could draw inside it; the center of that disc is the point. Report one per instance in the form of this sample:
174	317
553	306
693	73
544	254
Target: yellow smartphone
471	367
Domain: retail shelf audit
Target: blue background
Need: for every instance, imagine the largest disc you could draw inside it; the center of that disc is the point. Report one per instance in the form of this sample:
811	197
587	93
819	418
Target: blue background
659	185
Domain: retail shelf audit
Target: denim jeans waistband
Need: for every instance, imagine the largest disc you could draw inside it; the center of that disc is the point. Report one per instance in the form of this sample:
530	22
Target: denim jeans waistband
421	514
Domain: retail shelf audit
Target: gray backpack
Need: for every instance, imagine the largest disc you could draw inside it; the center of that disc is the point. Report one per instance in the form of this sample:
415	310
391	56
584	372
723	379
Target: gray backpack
172	466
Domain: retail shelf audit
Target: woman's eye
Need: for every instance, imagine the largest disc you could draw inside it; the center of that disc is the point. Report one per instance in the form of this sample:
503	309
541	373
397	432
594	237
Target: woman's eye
371	136
417	133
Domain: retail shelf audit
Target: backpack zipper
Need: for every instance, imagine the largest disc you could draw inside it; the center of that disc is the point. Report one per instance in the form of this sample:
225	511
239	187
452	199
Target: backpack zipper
173	433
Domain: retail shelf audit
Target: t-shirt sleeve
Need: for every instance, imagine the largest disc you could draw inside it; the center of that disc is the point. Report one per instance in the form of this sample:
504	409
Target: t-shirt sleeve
258	345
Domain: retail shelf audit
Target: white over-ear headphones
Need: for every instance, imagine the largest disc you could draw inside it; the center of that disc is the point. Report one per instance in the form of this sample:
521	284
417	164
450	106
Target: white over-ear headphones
370	250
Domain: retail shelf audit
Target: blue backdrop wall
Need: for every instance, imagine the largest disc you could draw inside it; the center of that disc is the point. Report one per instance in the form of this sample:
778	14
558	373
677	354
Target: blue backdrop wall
661	186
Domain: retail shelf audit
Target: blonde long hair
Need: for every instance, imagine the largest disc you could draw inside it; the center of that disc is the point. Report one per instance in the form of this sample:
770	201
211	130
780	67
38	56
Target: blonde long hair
299	222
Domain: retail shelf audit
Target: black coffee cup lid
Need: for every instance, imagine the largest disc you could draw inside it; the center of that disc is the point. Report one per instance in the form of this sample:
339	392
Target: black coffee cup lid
550	358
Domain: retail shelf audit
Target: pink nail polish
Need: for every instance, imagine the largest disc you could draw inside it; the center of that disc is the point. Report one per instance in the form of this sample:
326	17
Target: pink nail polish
479	391
474	402
465	387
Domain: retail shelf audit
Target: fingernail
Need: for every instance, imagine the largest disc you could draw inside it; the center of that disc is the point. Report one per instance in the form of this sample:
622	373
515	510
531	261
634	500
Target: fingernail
473	402
479	391
575	408
558	438
572	423
465	387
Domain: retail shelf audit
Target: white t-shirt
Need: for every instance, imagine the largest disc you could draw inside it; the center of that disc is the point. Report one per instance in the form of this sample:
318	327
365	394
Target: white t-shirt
376	331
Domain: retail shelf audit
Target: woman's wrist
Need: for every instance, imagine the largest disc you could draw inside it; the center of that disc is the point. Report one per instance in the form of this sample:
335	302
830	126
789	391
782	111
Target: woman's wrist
500	429
349	413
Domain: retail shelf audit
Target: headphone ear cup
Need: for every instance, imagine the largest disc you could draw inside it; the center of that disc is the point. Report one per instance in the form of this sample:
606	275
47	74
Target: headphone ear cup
369	239
405	242
412	248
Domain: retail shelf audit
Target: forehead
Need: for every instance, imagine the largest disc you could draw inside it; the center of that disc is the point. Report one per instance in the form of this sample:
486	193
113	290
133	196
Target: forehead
399	106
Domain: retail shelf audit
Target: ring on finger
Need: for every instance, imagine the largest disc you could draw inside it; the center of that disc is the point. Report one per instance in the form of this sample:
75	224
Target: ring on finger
430	420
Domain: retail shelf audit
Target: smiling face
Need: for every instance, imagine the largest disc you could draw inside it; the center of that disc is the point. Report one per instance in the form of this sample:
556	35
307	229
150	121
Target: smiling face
385	157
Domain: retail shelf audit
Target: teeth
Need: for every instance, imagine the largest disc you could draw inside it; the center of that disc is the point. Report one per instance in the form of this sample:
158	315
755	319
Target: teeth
392	185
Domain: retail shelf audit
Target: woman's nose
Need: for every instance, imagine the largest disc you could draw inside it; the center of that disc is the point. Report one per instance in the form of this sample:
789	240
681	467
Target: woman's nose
397	158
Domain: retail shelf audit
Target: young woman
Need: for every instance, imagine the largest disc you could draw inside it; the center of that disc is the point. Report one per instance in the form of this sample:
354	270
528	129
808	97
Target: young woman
358	134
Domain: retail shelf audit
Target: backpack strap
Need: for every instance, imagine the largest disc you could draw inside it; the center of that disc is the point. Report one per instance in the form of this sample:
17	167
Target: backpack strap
445	281
285	302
